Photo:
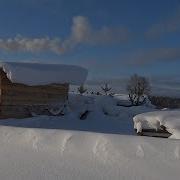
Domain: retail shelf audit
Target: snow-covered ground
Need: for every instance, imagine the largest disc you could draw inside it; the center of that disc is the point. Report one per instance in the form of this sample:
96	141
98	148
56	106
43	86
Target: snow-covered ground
103	146
73	155
118	120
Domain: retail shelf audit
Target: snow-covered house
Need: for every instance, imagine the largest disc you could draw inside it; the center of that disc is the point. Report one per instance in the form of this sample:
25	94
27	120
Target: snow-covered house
28	87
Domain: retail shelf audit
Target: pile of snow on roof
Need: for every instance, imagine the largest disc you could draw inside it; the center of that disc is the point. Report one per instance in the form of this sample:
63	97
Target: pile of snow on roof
42	74
157	119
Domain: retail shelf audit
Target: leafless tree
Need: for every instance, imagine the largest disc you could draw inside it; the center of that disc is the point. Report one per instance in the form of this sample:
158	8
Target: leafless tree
138	87
106	88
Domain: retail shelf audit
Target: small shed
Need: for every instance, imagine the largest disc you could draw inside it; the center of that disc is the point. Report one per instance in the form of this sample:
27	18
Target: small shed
27	88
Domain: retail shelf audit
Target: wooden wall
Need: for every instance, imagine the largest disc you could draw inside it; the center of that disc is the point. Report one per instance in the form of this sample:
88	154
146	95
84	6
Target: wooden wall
15	98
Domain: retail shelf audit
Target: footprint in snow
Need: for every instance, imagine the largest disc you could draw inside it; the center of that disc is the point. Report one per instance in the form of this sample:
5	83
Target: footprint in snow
140	151
35	143
65	142
100	149
177	153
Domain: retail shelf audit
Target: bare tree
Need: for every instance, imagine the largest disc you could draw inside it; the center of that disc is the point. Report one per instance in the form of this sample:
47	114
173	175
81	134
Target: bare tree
82	89
106	88
138	87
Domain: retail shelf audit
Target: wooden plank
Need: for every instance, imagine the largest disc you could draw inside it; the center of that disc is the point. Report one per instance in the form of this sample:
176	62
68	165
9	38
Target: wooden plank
154	133
34	100
22	111
29	101
14	112
34	95
33	90
27	94
40	94
19	94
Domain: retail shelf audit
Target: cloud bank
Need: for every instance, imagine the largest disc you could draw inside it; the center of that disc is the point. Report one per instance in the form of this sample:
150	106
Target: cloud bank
23	44
81	33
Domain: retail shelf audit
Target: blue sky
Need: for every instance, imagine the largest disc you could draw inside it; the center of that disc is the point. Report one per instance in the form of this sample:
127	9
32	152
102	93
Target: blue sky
111	38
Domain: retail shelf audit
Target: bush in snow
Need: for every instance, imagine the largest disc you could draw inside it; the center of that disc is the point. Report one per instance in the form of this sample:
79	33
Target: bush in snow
165	102
82	89
138	87
98	93
106	88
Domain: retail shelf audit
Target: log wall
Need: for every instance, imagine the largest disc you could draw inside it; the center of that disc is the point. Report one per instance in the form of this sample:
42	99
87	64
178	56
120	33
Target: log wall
16	98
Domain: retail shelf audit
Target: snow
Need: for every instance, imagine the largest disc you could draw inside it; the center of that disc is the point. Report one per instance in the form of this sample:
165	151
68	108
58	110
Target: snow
103	146
42	74
154	120
57	154
175	134
104	116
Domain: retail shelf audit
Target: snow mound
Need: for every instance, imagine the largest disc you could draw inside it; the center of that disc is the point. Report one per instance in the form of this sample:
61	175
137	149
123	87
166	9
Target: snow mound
42	74
108	105
157	119
74	155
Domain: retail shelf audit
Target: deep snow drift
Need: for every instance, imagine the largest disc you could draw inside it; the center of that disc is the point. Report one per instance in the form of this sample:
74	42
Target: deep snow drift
67	155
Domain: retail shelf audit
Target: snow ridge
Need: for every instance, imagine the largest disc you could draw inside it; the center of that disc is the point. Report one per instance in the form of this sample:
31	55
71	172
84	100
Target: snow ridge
70	155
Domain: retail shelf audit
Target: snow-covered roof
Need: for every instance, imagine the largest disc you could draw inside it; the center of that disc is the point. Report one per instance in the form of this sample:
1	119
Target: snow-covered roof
154	120
42	74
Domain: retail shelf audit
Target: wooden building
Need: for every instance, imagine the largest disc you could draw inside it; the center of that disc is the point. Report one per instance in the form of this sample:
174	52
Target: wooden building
19	100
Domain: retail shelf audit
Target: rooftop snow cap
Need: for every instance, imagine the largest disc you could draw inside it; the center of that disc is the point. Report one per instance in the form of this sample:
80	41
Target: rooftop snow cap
43	74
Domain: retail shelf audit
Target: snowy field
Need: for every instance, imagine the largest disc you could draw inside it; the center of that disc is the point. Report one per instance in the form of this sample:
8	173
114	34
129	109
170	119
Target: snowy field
169	88
103	146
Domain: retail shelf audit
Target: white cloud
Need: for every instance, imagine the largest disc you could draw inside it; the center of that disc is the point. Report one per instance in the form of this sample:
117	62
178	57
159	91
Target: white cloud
24	44
81	33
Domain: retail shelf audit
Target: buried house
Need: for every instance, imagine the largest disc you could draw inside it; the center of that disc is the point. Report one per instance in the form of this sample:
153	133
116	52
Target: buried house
27	88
